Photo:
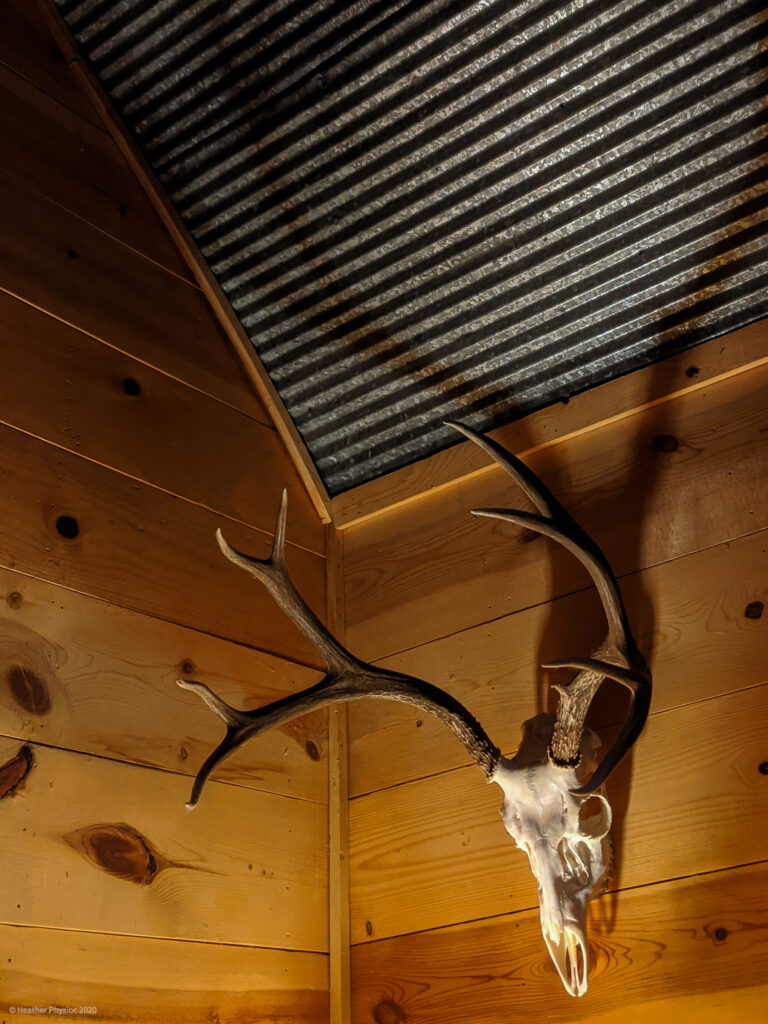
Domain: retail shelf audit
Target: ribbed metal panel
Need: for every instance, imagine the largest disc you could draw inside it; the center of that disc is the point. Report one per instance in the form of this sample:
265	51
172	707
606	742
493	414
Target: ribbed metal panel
452	209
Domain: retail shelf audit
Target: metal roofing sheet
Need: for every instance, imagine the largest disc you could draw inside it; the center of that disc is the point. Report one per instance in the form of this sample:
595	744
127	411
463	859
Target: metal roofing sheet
443	208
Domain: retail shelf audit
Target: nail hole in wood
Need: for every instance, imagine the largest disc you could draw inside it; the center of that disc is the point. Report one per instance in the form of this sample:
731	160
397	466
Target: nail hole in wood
68	527
131	387
692	371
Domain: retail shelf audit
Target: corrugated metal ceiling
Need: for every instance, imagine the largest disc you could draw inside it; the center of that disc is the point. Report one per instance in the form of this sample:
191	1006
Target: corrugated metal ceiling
454	209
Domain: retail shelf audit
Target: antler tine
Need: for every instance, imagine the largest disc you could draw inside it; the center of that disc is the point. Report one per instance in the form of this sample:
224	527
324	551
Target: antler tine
362	681
575	701
272	572
347	678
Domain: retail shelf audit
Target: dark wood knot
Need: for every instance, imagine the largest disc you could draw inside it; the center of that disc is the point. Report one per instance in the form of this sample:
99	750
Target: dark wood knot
29	690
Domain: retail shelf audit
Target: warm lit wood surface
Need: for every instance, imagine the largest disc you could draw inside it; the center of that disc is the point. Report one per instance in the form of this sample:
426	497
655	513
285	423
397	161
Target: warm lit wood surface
68	388
97	851
593	410
150	981
142	548
67	159
431	568
244	866
62	265
693	616
658	955
86	675
689	799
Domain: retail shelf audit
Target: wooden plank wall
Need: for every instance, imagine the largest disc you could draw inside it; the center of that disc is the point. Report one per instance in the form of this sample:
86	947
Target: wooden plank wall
128	432
444	918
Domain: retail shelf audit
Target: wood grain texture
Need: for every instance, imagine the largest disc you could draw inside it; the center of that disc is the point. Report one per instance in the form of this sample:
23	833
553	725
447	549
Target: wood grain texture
594	409
27	46
99	845
142	548
657	954
66	387
698	620
59	263
241	343
149	981
432	569
51	149
688	799
85	675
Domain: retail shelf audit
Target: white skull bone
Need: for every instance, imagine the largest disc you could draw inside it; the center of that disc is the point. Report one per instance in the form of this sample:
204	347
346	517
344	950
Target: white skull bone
565	837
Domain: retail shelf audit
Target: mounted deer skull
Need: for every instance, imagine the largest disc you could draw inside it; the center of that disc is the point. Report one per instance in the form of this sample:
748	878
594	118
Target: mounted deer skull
554	806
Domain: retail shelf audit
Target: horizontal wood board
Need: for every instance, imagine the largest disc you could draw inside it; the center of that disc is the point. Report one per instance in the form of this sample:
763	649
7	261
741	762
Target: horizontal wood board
688	799
49	148
68	388
142	548
658	953
27	46
96	845
85	675
700	620
64	266
431	569
595	409
182	982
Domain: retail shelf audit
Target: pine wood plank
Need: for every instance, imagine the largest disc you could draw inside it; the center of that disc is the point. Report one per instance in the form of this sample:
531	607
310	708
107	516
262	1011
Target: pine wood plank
99	845
142	548
57	262
68	388
597	408
700	620
51	149
431	569
89	676
226	316
656	955
689	798
27	46
148	981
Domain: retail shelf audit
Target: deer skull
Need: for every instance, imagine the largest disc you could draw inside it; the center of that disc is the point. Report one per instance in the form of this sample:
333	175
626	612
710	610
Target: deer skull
554	806
565	837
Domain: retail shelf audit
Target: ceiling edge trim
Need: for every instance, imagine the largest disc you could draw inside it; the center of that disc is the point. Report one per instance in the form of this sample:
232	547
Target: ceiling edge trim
738	352
224	313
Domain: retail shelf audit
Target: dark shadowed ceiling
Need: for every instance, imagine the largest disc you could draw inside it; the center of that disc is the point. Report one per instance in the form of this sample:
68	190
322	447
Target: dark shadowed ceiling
422	210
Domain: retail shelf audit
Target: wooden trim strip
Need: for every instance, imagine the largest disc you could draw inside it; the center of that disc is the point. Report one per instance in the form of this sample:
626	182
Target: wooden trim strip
608	403
338	806
219	303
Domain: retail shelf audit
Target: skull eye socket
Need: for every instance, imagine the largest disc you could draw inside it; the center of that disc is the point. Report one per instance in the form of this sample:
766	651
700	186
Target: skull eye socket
595	817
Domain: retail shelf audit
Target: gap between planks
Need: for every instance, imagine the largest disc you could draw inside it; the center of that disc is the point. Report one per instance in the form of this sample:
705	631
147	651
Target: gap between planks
162	938
567	593
222	310
375	497
24	186
445	772
535	907
135	357
150	767
155	486
161	618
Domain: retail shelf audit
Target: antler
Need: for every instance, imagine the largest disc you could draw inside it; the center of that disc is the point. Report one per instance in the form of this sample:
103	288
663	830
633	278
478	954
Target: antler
348	678
616	658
